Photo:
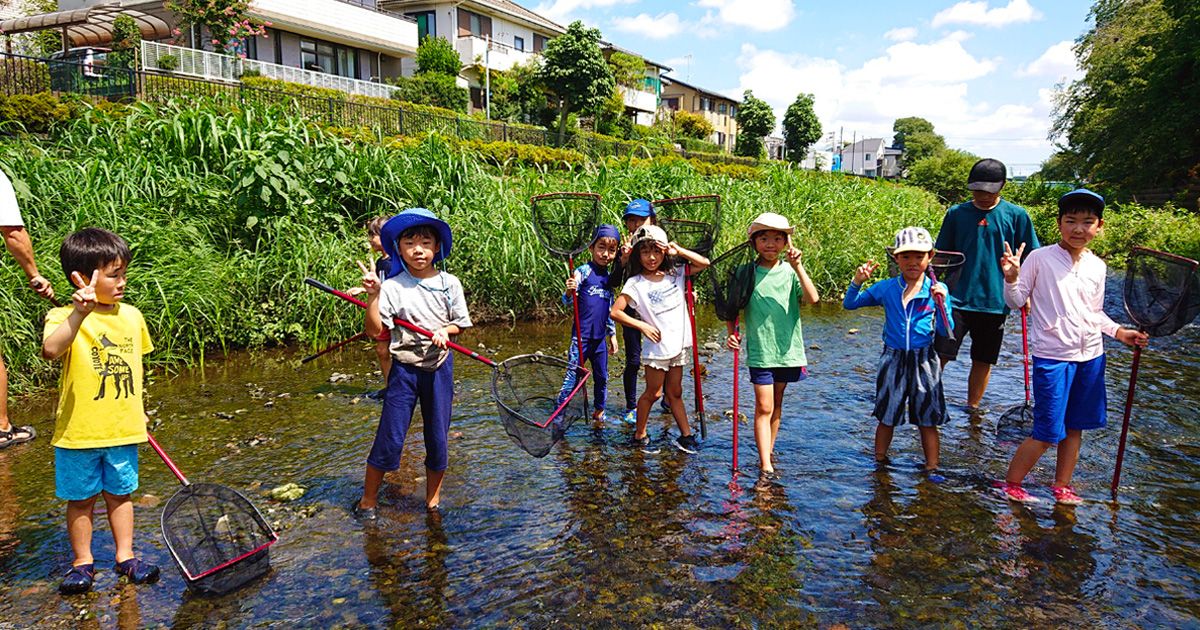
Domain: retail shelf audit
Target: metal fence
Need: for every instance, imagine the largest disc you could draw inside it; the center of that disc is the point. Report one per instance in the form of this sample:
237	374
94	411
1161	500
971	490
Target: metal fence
30	75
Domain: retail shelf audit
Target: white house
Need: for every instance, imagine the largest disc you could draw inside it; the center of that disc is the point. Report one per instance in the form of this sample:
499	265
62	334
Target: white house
869	157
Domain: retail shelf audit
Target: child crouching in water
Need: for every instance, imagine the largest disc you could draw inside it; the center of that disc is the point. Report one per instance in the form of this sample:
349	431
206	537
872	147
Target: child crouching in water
656	289
1064	284
98	428
423	369
908	387
594	284
774	341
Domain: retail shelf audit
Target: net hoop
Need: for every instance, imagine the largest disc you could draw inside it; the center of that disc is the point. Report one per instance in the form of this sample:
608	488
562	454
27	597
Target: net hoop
585	375
731	278
227	494
1185	293
696	231
581	228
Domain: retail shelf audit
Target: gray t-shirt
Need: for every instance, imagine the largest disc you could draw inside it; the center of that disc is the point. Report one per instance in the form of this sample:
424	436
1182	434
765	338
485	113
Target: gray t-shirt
431	303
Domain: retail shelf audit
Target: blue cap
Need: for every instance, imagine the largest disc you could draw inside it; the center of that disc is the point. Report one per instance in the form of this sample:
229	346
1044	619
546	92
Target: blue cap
605	230
1081	198
411	218
639	208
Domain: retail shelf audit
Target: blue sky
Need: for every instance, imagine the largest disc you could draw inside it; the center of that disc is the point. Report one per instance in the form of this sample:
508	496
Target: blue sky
982	71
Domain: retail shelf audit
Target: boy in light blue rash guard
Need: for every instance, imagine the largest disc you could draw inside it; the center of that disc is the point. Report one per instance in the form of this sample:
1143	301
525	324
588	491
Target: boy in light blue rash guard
908	387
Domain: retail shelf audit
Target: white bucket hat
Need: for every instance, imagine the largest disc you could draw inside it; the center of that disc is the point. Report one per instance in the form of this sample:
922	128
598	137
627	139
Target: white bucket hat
651	233
911	239
770	221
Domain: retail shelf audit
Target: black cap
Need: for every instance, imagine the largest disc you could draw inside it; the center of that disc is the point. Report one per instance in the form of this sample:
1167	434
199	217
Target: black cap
987	175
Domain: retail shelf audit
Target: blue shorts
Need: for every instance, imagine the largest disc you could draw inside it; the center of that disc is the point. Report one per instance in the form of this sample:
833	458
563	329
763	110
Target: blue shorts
1067	395
770	376
81	473
407	386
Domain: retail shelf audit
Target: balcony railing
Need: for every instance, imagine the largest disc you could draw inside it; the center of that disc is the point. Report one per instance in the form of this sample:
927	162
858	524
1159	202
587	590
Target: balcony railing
503	56
210	65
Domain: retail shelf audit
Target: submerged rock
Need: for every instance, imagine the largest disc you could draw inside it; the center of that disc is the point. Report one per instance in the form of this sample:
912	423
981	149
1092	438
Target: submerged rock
288	492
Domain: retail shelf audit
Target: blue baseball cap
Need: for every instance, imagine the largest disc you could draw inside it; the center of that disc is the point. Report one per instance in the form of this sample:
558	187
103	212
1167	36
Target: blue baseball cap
605	230
1081	199
411	218
639	208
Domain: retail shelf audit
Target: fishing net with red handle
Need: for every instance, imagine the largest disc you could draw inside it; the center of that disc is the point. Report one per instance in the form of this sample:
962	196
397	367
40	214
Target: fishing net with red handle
218	539
535	408
564	221
946	265
693	222
1016	423
1162	291
731	280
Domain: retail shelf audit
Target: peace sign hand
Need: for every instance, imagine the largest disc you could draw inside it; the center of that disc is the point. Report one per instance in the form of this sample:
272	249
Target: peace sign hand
1010	262
370	278
85	297
865	271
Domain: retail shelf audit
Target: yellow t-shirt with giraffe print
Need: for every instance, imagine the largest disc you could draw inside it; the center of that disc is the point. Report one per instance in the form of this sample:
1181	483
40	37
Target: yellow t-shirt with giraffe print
100	390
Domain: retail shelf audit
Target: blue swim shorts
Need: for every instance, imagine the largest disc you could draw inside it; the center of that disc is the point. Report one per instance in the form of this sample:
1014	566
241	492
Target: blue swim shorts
770	376
1067	395
81	473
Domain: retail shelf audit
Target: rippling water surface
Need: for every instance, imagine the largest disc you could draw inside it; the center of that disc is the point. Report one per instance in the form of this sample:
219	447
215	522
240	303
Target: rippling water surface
596	534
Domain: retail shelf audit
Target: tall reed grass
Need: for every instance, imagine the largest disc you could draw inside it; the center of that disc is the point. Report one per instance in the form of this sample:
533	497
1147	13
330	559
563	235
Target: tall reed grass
228	210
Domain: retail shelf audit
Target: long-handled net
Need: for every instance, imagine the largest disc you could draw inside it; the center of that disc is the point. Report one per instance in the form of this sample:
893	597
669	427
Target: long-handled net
536	415
218	539
528	389
946	267
1016	423
564	222
1162	295
692	222
732	281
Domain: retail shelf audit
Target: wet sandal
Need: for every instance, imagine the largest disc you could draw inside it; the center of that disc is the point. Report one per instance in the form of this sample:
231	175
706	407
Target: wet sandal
16	435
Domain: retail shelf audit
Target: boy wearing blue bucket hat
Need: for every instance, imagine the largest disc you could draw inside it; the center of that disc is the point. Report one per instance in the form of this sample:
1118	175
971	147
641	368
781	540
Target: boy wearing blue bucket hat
423	367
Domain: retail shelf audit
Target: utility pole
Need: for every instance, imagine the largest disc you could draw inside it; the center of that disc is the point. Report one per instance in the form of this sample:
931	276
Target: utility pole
487	78
853	151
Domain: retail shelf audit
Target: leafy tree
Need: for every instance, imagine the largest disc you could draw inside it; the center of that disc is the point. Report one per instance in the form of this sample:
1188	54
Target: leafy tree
611	119
944	173
574	70
691	125
437	55
127	41
905	126
518	96
915	138
1063	166
627	70
227	22
432	88
800	128
755	119
1131	119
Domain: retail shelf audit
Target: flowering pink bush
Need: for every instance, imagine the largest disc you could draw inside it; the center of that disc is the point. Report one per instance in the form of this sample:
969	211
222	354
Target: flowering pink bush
225	20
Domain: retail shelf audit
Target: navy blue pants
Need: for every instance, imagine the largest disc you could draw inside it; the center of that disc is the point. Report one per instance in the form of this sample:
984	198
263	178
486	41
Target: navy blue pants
407	386
633	364
595	351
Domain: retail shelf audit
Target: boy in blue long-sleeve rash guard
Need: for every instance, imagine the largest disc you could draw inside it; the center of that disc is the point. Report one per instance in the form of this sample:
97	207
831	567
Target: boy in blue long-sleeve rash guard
594	285
908	387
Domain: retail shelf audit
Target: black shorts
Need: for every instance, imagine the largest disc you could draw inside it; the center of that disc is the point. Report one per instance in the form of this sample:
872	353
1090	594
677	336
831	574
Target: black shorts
987	333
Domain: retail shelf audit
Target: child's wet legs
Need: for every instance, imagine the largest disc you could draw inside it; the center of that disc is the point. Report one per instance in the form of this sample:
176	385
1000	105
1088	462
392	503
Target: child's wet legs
673	391
654	387
120	519
777	414
1068	456
433	487
931	445
883	440
764	417
79	529
1023	461
371	483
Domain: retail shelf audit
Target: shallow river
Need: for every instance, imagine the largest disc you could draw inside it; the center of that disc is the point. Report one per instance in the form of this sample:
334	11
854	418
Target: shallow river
596	534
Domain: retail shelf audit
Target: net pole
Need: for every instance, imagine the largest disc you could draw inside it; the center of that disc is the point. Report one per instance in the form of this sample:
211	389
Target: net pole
698	388
737	333
1025	349
1133	373
167	460
575	307
941	303
333	347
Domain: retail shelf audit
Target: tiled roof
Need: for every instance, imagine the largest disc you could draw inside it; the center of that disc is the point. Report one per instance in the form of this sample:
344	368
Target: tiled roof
669	80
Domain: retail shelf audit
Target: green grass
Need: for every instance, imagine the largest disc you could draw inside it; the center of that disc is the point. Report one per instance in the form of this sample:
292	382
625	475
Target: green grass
228	211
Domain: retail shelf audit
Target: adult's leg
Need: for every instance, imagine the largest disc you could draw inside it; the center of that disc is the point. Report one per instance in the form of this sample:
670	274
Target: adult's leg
654	386
977	382
764	411
120	519
673	391
79	529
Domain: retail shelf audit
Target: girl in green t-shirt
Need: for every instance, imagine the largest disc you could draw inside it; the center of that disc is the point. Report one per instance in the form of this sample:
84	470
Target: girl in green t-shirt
774	342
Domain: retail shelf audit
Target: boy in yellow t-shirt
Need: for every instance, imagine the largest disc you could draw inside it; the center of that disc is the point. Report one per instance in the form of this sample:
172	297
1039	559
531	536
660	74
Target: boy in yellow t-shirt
100	418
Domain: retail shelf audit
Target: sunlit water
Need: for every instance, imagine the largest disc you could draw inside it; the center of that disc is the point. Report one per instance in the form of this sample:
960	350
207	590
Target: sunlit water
597	534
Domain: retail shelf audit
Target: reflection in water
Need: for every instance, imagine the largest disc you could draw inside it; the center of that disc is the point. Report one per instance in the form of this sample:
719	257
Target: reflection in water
414	585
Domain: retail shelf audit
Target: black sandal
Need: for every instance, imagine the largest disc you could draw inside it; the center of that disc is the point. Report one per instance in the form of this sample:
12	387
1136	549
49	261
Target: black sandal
16	435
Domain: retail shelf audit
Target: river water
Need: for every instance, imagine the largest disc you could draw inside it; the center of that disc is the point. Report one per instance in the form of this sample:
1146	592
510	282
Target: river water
596	534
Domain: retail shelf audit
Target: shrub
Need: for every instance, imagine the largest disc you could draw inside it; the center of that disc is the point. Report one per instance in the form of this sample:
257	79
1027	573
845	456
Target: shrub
24	76
504	154
437	55
694	126
438	90
944	174
168	62
36	112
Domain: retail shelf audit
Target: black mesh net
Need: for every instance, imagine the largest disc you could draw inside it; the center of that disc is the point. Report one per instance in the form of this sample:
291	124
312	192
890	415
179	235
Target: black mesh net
217	537
564	221
1162	291
539	398
946	265
1015	424
691	221
731	279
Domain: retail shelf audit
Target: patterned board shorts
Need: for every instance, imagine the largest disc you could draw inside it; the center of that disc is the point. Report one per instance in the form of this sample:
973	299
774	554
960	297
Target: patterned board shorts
665	365
909	388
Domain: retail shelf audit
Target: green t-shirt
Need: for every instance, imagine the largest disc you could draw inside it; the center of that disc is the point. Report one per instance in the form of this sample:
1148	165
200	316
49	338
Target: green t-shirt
980	235
772	332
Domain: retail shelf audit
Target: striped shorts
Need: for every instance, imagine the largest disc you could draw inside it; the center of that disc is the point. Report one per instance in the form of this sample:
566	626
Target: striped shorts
909	388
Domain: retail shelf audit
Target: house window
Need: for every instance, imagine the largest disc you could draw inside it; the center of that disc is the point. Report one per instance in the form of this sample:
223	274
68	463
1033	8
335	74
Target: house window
867	157
519	43
721	138
705	104
325	57
539	43
473	25
426	24
671	103
722	108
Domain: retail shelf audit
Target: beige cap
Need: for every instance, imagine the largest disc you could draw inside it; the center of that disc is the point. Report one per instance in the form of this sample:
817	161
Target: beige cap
911	239
770	221
651	233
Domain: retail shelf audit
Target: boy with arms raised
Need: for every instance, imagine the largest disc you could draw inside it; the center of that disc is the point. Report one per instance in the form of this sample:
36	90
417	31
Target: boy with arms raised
422	368
1065	286
100	418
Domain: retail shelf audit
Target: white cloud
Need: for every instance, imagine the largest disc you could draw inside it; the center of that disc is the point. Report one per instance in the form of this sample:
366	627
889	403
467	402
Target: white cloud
758	15
653	27
905	34
562	11
1058	63
978	13
929	80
